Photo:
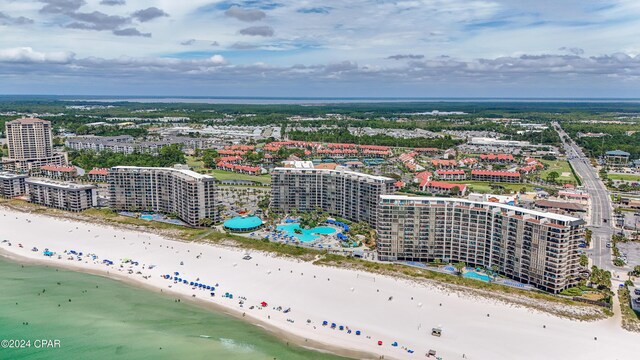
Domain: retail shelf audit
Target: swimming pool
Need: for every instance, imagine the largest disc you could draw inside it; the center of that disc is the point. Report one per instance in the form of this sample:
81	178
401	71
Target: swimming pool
476	276
146	217
307	235
243	223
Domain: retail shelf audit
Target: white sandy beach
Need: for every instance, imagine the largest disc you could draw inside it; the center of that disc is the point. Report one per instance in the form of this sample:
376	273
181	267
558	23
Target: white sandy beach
349	298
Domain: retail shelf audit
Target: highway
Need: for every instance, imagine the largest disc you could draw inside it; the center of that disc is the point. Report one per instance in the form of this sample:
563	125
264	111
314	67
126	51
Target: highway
601	222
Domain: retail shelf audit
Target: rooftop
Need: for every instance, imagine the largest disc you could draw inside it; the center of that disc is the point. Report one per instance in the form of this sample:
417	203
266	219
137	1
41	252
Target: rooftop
190	173
553	216
618	153
59	185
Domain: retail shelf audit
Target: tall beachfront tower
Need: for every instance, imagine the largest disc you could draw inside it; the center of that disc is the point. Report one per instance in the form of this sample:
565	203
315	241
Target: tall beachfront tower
187	194
30	145
532	247
347	194
29	139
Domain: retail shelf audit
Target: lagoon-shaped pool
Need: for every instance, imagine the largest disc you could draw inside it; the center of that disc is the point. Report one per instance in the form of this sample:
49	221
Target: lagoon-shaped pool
307	235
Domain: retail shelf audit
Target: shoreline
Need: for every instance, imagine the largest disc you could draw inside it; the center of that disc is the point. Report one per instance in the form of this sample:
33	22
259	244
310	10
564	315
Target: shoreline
385	308
282	335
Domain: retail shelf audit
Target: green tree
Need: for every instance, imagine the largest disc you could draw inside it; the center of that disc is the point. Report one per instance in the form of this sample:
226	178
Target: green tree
459	267
209	157
552	177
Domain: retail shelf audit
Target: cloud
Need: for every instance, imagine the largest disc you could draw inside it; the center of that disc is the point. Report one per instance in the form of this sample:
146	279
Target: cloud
113	2
188	42
315	10
9	20
130	32
218	60
149	14
248	15
96	21
215	43
572	50
263	30
406	56
61	6
243	46
27	55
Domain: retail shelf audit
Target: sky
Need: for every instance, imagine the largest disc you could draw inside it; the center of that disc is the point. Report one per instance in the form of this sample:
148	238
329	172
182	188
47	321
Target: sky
329	48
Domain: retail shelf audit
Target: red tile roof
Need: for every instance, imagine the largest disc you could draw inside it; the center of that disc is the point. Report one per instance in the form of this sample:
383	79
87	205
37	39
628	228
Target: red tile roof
99	171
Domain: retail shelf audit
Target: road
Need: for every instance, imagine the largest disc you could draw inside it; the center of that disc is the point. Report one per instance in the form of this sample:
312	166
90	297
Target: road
601	208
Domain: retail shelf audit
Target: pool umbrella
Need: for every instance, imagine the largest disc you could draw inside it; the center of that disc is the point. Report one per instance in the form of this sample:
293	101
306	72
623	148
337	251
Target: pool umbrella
379	342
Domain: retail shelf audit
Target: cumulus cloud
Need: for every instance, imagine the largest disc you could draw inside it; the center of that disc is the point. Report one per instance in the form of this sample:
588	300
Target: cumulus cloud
61	6
572	50
263	30
406	56
10	20
27	55
130	32
248	15
149	14
218	60
113	2
96	21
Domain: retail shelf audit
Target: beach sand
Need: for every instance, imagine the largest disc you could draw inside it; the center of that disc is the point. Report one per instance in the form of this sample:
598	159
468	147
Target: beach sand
382	308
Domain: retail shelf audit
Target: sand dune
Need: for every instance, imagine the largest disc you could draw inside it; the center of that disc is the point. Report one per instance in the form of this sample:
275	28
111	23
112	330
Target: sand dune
382	308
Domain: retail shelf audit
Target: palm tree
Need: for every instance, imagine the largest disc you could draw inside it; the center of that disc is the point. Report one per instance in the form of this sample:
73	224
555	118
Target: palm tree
459	267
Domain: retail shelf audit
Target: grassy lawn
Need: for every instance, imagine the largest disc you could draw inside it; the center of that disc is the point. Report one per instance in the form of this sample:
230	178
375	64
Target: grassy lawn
228	175
627	177
630	319
198	166
485	186
559	166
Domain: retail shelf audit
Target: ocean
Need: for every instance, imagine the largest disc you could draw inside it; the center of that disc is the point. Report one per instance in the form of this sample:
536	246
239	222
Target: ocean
51	313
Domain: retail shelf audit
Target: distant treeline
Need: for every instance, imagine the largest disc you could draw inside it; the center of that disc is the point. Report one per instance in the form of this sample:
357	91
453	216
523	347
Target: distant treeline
343	136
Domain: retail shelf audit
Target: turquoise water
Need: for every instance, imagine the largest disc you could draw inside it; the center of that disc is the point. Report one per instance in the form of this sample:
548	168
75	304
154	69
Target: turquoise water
243	223
307	234
107	319
146	217
476	276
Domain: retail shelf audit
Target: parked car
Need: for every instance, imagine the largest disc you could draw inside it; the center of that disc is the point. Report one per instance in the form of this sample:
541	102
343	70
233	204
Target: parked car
636	291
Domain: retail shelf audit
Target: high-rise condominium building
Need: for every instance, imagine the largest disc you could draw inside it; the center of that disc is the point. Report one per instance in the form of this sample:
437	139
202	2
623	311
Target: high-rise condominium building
62	195
350	195
30	145
529	246
184	193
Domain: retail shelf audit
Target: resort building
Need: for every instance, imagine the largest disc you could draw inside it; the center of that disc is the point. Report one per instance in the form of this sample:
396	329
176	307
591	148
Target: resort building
617	157
56	172
61	195
98	175
12	185
347	194
529	246
188	195
451	174
495	176
30	145
127	144
443	188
